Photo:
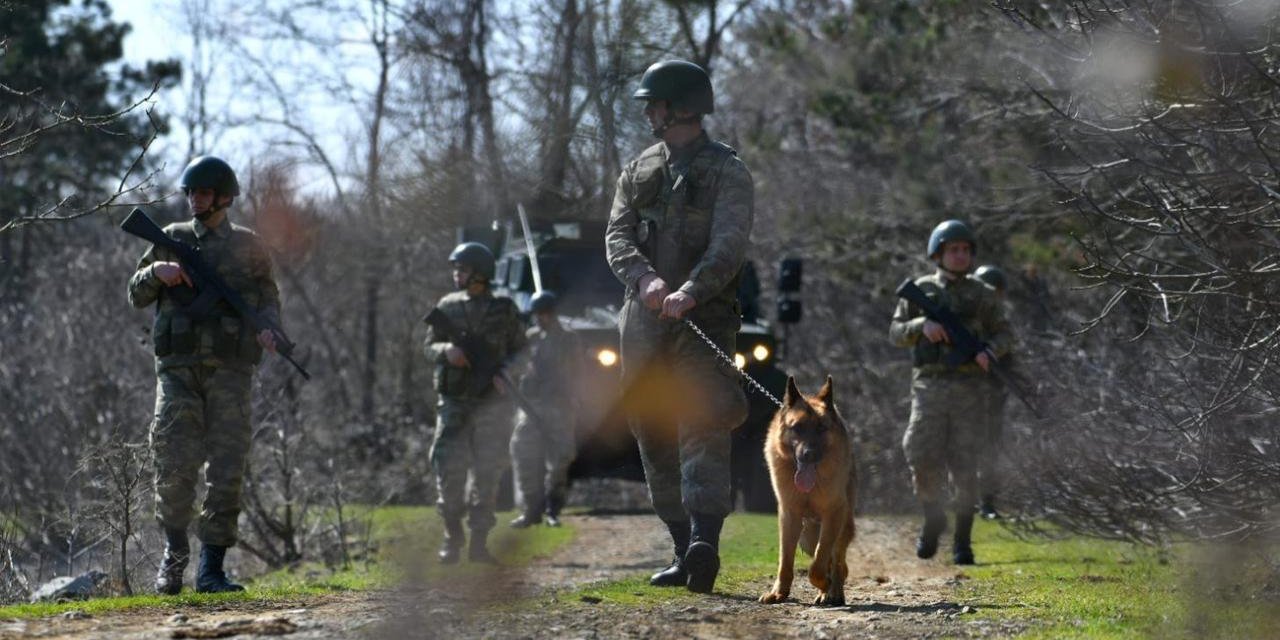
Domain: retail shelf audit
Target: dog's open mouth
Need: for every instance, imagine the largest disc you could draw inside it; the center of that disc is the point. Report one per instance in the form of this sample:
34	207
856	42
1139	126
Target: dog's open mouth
806	476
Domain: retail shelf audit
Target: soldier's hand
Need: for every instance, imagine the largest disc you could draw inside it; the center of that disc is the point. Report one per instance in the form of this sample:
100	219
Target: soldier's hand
456	356
500	385
267	339
171	274
935	332
653	291
676	305
984	360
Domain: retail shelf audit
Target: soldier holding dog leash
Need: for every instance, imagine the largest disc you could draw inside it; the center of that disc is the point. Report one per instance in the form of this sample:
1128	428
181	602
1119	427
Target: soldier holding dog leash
677	236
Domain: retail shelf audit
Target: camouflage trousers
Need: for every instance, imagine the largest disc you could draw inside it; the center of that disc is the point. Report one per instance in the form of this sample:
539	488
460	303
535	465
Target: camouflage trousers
469	456
682	406
541	451
993	437
945	434
202	417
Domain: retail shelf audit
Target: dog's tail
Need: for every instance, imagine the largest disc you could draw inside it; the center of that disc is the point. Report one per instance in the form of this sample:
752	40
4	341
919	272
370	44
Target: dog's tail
809	535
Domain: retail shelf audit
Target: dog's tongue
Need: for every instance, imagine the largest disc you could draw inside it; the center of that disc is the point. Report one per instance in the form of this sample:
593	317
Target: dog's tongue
806	477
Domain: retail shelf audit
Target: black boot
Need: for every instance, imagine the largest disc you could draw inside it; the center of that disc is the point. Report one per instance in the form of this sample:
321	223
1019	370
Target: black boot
962	551
935	522
987	508
210	578
478	552
554	503
674	575
451	547
525	521
702	560
177	553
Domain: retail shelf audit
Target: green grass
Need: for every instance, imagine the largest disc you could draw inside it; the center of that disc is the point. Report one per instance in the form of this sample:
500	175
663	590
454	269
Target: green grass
1080	588
402	542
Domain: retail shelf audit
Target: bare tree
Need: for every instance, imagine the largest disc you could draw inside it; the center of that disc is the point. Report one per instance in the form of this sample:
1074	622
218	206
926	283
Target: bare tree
118	472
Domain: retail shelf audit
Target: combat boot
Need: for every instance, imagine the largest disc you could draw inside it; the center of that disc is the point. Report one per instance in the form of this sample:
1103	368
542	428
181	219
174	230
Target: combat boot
987	508
478	552
962	550
674	575
451	547
525	521
935	522
702	560
177	553
210	578
553	511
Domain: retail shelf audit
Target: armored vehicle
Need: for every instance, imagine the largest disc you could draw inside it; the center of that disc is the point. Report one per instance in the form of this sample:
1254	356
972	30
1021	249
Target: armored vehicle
571	262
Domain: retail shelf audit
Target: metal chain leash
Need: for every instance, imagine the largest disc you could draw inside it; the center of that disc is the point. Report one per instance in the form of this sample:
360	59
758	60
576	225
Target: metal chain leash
751	382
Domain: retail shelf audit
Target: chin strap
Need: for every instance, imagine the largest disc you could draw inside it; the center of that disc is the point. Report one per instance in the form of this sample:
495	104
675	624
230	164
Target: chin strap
671	121
204	216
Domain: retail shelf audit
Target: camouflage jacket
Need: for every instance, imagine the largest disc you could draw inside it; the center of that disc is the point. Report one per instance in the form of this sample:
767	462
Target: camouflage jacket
220	338
555	359
685	214
493	319
973	302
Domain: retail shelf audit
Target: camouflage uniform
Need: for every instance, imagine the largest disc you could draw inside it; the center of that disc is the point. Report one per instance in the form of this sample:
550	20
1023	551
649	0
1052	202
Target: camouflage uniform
541	450
204	368
686	215
472	432
947	424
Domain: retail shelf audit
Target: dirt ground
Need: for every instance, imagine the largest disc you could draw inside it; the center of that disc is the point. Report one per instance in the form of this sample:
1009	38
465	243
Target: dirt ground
890	595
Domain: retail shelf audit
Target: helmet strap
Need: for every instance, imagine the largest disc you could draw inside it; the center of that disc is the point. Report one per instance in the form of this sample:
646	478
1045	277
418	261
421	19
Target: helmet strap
671	120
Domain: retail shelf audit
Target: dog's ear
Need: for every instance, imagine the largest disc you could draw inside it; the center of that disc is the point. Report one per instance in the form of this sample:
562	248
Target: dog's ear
825	394
792	396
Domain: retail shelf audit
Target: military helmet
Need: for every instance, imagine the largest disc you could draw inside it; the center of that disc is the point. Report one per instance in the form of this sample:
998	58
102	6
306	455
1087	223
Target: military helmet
543	301
992	275
950	231
210	172
682	83
475	256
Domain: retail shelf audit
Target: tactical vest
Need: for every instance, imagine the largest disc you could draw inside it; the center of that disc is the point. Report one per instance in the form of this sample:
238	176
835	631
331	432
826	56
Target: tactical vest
675	202
220	333
491	327
931	356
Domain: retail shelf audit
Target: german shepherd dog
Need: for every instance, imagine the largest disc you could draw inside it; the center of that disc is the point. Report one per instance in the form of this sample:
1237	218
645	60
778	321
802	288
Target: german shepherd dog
811	464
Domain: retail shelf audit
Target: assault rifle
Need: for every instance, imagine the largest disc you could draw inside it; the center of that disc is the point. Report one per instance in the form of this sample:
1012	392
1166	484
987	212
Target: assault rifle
964	345
485	363
209	286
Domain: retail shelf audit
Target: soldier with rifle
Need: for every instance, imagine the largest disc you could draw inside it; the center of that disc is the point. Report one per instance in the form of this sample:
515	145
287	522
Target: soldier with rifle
956	331
472	337
217	308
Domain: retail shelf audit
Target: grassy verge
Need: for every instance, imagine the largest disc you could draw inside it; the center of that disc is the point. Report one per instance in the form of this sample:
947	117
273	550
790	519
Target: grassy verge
402	542
1080	588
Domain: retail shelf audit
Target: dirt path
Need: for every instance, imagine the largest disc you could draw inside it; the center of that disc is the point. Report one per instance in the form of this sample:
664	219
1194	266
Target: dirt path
890	594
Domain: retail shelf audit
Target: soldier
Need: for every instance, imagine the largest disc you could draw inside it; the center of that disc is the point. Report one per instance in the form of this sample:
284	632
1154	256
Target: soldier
473	424
204	367
676	238
946	426
988	457
543	445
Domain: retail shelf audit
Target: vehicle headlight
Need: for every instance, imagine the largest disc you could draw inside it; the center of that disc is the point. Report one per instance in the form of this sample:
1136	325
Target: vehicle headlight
739	360
607	357
760	353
